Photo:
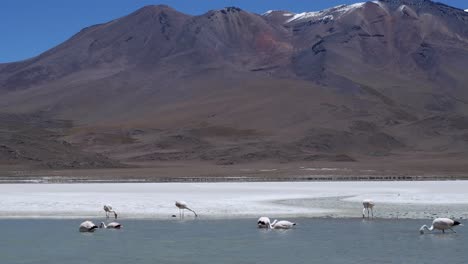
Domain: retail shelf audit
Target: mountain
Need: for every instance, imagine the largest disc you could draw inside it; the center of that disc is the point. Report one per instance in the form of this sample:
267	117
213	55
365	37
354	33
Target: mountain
370	81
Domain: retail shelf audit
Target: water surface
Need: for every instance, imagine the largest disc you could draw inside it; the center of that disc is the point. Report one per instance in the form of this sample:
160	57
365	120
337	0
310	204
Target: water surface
229	241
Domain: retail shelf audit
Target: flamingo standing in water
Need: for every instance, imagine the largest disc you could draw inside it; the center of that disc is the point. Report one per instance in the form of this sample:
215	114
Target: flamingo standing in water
108	209
440	224
112	225
283	224
183	206
369	207
264	222
87	226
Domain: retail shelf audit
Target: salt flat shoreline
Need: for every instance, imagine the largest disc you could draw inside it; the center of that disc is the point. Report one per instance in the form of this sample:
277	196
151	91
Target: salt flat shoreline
310	178
394	199
391	170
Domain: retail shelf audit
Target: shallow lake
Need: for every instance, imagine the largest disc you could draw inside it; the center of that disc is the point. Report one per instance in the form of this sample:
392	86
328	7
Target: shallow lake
230	241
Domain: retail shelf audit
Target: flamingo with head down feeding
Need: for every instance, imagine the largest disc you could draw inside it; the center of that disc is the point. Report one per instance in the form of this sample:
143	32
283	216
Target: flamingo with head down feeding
112	225
87	226
182	207
108	209
283	224
263	222
369	207
440	224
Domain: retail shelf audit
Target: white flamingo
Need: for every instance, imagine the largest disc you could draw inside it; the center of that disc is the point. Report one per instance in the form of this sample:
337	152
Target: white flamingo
183	206
283	224
369	207
264	222
108	209
440	224
87	226
112	225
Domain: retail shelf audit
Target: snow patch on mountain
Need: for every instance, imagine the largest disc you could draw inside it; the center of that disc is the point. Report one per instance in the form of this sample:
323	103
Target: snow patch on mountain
304	15
382	5
402	8
328	13
271	12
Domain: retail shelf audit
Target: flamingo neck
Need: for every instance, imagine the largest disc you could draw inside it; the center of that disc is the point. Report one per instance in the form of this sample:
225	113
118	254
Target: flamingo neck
272	225
192	211
424	227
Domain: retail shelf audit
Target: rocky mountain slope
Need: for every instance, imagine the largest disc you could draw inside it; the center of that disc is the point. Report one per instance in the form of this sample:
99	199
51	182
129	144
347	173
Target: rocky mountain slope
369	80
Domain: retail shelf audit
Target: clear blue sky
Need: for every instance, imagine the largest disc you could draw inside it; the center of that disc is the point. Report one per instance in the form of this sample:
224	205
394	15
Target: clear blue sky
29	27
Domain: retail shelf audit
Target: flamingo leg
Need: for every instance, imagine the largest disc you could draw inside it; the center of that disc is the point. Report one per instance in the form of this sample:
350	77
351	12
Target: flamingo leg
443	231
372	210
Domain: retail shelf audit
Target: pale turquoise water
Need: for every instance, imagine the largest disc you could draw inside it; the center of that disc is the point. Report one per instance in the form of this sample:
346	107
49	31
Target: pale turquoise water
230	241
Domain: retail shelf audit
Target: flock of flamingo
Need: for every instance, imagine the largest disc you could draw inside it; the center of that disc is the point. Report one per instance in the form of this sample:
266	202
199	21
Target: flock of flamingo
89	226
441	224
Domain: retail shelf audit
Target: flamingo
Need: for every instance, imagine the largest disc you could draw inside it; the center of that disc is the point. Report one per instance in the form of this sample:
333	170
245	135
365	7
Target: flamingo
87	226
440	224
112	225
263	222
108	209
183	206
368	206
283	224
